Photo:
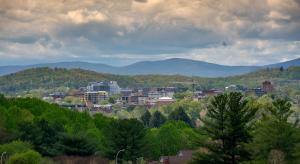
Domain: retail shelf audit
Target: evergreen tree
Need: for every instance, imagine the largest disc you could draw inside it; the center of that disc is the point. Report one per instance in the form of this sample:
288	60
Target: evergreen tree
77	145
276	134
128	135
157	119
228	123
180	115
146	118
281	69
44	136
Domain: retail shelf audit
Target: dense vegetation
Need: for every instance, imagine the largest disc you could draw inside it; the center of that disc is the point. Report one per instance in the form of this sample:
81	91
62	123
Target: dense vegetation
47	78
235	129
31	130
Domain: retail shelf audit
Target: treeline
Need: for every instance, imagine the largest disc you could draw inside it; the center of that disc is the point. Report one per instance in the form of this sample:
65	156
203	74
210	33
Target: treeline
34	131
48	79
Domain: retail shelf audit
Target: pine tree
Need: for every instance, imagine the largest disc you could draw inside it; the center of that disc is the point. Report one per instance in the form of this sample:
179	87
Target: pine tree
275	133
146	118
227	122
157	119
180	115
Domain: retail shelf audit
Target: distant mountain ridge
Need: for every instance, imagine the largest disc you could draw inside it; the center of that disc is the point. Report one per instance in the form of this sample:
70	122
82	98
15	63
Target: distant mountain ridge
172	66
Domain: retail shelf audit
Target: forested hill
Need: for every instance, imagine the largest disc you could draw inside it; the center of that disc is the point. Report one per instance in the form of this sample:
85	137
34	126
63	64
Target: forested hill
48	78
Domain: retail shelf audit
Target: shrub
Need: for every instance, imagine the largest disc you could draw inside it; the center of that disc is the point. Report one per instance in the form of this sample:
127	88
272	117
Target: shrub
28	157
15	147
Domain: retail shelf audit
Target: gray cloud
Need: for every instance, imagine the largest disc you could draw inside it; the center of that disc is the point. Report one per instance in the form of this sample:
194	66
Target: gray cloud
150	29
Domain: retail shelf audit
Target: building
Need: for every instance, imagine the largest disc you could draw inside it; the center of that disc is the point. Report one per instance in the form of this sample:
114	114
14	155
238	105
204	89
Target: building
107	108
165	101
212	92
267	87
95	97
256	91
125	94
154	94
57	95
111	87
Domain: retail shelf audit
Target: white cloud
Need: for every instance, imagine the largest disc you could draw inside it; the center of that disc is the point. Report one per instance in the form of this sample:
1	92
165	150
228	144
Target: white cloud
84	16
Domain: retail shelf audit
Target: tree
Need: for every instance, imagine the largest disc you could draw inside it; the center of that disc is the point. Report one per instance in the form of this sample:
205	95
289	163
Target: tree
157	119
126	134
281	68
170	139
15	147
28	157
274	133
180	115
111	100
77	145
44	136
146	118
228	124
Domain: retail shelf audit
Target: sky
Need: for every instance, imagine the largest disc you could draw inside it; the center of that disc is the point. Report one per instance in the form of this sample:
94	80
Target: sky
121	32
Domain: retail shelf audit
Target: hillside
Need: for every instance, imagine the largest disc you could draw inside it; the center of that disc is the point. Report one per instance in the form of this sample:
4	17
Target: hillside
173	66
48	78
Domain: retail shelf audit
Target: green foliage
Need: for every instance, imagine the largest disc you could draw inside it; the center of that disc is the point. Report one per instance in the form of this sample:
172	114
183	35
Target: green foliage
180	115
275	134
15	147
28	157
45	126
170	138
228	124
111	100
77	145
43	135
157	119
182	95
125	134
146	118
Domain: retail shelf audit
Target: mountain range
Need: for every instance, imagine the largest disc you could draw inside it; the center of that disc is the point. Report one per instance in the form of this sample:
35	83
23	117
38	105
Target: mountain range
162	67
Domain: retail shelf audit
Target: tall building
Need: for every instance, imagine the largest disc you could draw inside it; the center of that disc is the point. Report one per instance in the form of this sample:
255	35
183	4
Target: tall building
111	87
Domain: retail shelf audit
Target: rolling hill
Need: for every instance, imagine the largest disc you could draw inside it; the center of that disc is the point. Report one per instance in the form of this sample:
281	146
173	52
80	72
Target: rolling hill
49	78
172	66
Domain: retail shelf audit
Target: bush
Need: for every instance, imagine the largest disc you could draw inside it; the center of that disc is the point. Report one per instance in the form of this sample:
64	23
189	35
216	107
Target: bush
15	147
28	157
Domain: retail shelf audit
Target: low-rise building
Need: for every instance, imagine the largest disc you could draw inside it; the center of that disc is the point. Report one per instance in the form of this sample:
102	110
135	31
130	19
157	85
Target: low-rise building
255	91
95	96
125	94
165	101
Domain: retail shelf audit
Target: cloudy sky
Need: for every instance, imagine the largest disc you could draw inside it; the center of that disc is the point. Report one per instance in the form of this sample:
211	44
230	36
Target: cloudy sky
119	32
